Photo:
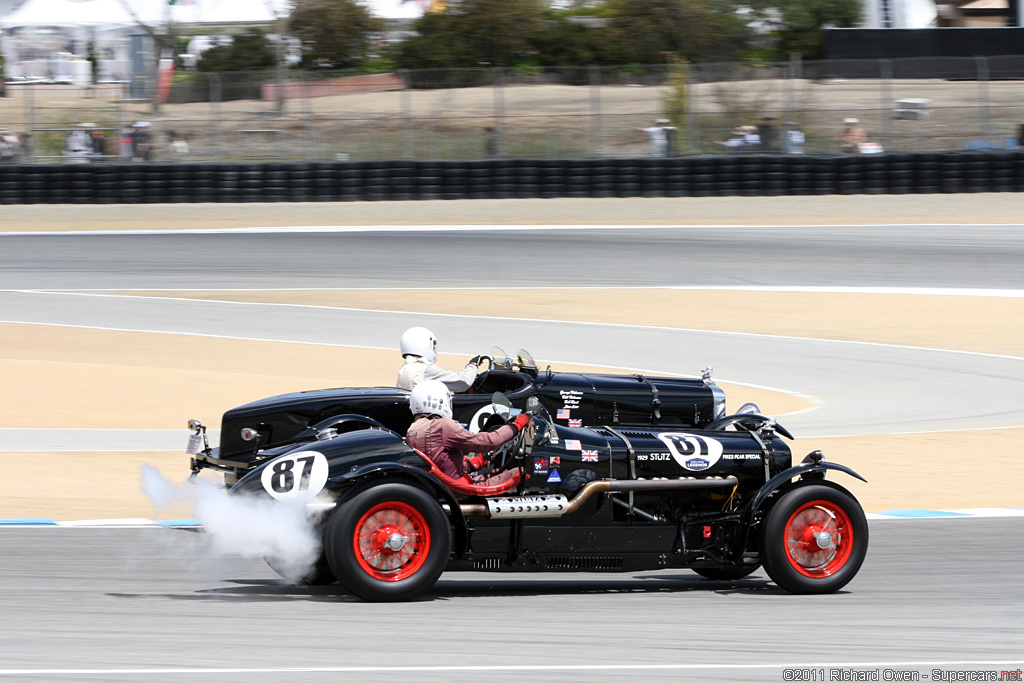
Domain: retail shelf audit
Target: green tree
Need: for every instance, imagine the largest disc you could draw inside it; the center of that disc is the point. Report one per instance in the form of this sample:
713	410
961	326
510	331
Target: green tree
247	52
652	31
798	25
565	42
471	33
334	33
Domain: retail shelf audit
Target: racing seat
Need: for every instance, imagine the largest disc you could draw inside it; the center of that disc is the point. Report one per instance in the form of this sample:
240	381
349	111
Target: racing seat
464	484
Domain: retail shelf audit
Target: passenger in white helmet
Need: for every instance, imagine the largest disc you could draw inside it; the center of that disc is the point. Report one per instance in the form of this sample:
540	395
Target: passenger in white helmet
419	348
443	440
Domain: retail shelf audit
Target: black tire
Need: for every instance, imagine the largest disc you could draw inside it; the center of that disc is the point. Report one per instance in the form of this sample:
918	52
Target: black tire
727	573
792	556
320	573
356	527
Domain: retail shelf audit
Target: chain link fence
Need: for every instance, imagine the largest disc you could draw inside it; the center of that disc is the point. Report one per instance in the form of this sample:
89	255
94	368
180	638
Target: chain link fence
919	104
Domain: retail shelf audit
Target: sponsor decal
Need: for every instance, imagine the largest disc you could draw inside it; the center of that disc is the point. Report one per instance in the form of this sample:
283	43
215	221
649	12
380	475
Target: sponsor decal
576	423
741	456
297	476
540	465
692	452
553	478
571	398
573	445
563	414
589	456
555	461
477	422
653	456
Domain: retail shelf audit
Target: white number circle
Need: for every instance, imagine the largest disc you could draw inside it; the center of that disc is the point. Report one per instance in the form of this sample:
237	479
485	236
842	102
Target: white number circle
296	476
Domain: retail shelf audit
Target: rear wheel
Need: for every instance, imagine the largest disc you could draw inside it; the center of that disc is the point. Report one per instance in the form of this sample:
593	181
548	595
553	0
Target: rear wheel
814	539
388	542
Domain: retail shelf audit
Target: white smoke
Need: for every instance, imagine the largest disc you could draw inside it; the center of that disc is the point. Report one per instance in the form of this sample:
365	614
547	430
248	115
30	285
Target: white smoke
246	526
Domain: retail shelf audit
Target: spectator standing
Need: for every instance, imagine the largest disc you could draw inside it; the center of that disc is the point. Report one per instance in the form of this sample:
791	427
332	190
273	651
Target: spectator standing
78	145
99	144
659	135
125	147
142	141
490	143
793	141
851	136
10	147
769	134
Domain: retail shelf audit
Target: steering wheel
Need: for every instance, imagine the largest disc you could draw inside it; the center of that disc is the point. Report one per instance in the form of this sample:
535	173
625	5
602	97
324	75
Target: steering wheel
481	377
504	453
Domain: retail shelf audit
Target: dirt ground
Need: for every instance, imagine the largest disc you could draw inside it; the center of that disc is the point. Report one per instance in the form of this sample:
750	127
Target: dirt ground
967	209
103	379
540	119
111	379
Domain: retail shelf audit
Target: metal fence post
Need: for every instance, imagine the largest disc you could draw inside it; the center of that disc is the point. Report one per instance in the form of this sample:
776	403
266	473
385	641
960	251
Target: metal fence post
214	85
405	106
885	92
499	108
692	115
983	97
596	148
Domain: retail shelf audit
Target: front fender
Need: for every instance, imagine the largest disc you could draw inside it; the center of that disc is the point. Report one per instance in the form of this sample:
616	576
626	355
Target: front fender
786	476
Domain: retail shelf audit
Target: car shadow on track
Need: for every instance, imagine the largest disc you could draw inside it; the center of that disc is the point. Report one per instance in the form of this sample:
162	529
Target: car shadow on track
255	590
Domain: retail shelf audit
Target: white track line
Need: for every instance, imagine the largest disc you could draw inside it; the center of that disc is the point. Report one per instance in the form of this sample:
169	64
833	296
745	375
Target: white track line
494	668
914	291
490	227
585	323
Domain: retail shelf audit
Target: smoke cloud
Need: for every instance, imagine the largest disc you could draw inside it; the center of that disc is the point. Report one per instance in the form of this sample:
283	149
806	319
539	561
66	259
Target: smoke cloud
238	525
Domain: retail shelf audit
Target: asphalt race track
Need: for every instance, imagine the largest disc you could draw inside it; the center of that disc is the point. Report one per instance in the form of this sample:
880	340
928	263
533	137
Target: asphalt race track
151	604
145	604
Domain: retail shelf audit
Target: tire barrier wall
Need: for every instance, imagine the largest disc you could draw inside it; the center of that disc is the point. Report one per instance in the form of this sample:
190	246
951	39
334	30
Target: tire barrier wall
726	175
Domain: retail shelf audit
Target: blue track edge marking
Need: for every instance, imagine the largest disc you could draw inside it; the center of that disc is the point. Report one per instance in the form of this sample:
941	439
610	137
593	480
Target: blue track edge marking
40	521
919	512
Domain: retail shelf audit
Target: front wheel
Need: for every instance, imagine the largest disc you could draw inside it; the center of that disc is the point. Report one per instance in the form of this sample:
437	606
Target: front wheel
814	539
388	542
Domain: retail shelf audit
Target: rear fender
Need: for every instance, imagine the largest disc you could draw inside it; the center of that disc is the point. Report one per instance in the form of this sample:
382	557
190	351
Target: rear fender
350	483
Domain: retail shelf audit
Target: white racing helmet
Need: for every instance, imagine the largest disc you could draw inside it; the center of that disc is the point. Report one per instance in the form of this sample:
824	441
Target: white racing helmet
431	397
419	341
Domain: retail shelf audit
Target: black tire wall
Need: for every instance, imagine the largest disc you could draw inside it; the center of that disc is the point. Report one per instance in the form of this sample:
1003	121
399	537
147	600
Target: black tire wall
752	175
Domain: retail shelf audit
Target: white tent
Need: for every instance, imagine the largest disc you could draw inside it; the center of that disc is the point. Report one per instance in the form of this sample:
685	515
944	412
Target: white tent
69	13
113	13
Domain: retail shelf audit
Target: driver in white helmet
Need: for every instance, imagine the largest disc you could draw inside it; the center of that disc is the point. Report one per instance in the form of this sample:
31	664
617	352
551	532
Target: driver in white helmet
443	440
419	348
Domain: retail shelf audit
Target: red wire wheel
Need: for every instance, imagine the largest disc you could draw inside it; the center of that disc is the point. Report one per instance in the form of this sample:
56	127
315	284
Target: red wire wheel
818	538
814	538
391	541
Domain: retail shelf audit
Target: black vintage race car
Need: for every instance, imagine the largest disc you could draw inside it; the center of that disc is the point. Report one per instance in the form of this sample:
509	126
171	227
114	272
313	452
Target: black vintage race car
616	473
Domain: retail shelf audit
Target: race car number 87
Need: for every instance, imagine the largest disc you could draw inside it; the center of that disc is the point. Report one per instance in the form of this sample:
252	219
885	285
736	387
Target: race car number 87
295	477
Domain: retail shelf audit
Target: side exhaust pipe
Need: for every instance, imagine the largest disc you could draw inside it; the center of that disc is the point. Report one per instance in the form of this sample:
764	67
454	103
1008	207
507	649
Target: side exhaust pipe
557	505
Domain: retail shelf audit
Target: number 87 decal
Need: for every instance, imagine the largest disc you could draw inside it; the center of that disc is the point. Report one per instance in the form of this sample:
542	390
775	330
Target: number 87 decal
298	476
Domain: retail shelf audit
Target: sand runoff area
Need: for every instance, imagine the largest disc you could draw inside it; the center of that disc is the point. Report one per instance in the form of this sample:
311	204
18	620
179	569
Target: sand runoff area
96	379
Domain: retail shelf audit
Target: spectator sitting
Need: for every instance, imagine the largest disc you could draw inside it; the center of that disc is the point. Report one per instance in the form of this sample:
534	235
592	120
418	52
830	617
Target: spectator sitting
851	136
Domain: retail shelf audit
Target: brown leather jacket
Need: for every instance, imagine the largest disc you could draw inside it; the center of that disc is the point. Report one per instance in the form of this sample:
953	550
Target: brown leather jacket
445	442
